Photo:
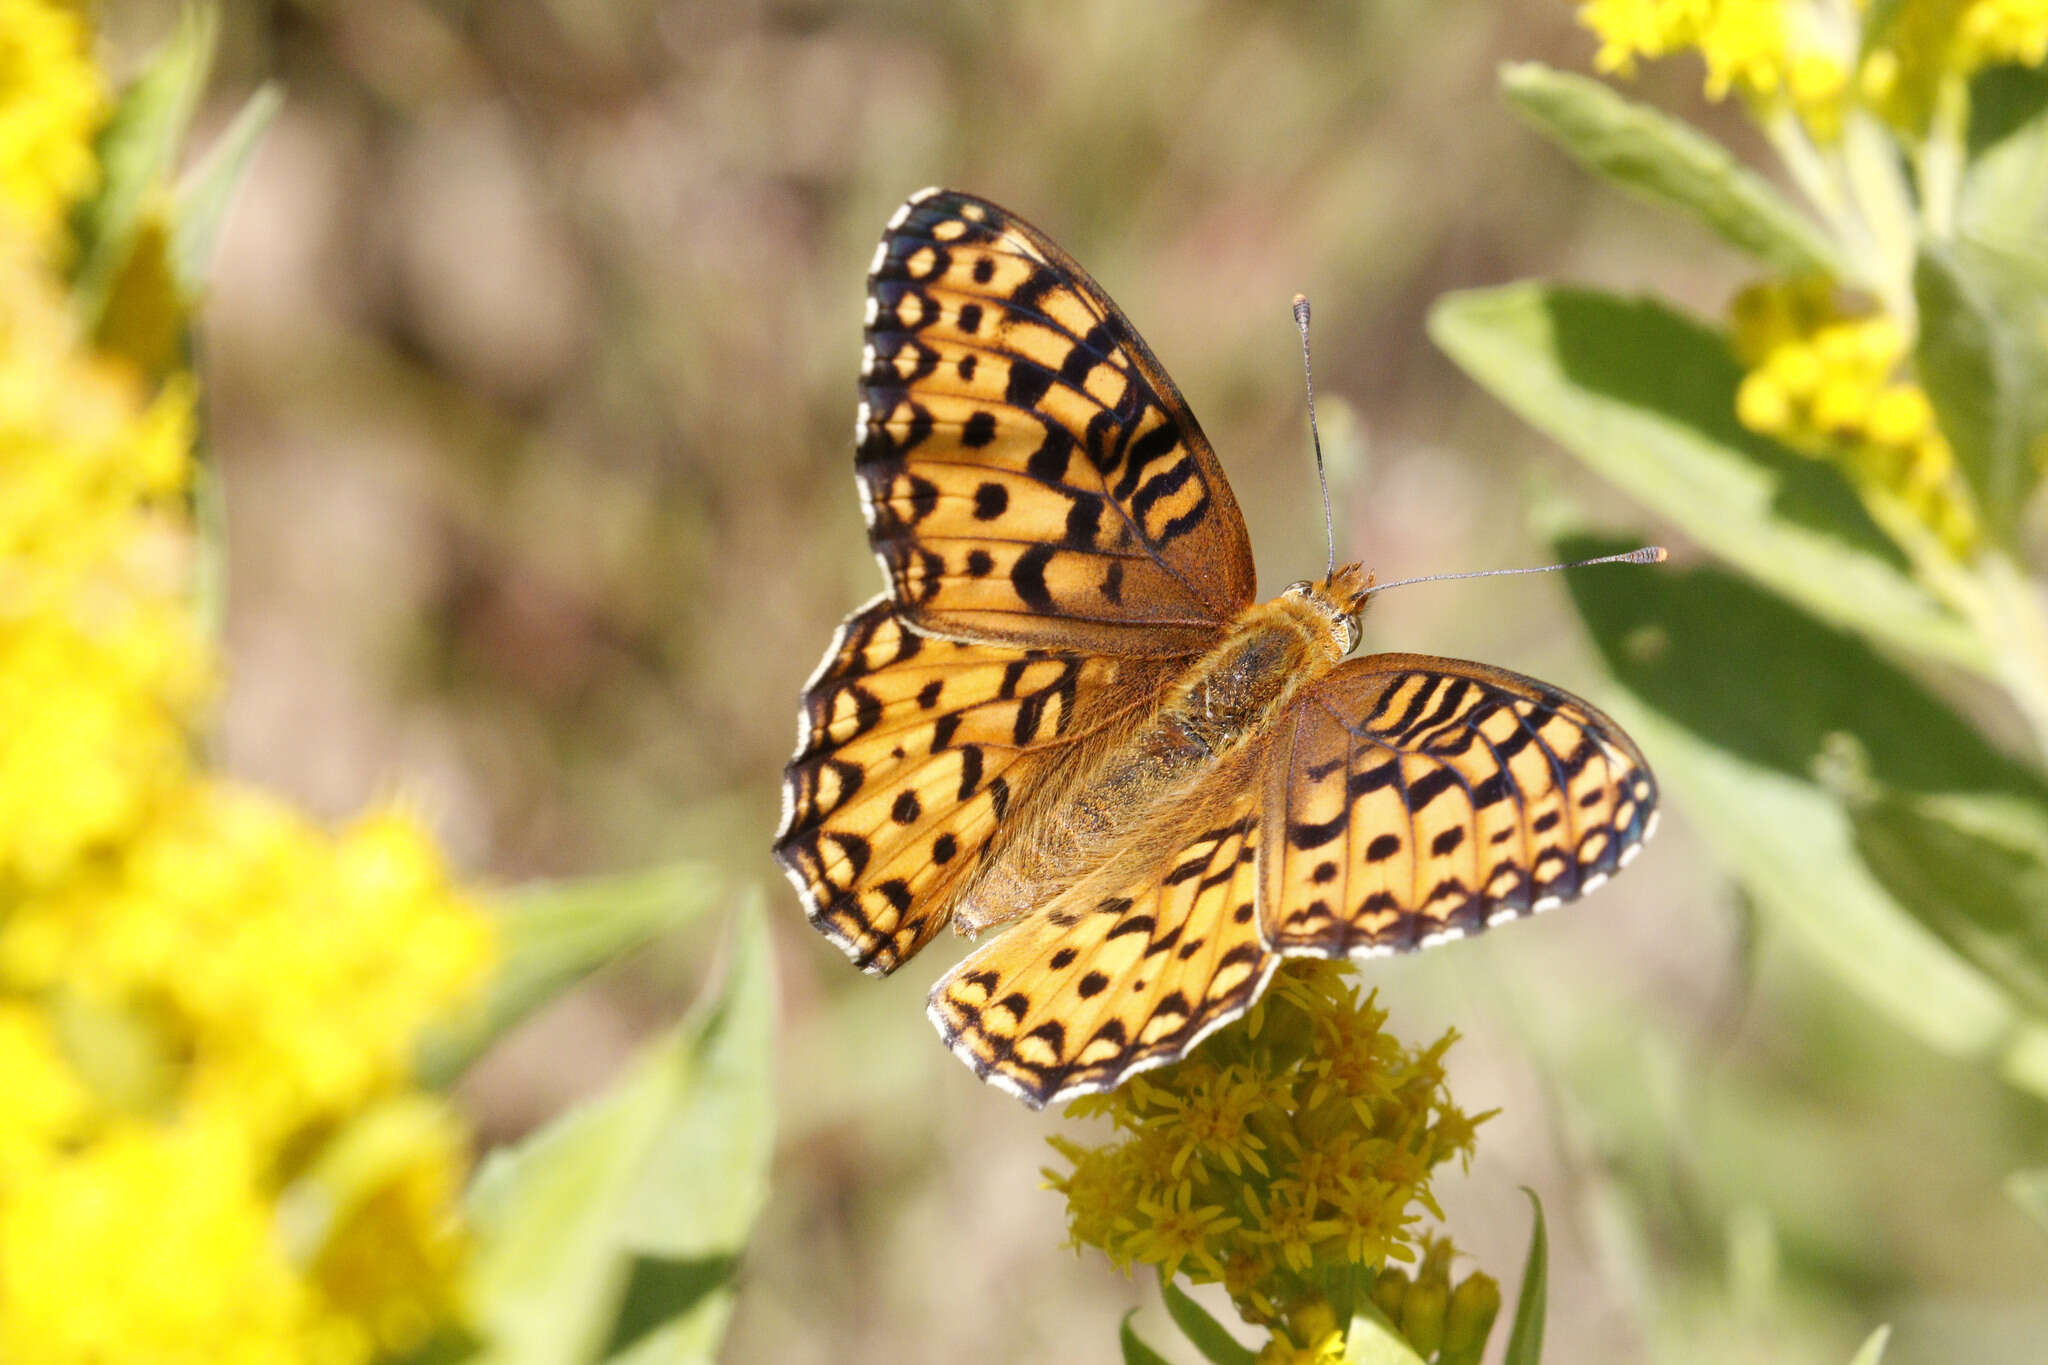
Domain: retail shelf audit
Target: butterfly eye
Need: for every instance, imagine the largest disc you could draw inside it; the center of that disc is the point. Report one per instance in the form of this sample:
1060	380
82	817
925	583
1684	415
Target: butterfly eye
1299	589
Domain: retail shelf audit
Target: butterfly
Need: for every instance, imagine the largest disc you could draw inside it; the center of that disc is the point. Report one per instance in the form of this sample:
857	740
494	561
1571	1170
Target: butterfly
1067	716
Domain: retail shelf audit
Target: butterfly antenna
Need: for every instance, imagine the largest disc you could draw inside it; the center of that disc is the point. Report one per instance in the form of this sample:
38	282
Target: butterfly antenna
1308	375
1648	554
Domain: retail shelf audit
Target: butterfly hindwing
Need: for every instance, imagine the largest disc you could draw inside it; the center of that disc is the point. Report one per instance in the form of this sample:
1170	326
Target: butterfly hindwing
1426	798
912	754
1128	969
1030	474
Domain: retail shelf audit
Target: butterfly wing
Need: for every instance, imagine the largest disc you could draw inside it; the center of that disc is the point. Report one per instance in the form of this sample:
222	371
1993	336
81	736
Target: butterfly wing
1030	474
1130	968
912	753
1425	798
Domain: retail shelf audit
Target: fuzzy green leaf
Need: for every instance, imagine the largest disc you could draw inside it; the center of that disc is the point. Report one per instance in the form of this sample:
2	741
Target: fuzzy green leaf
1871	1352
612	1233
1664	161
1372	1340
1974	869
138	152
1208	1336
1739	699
2029	1189
1136	1352
204	197
553	934
1982	372
1646	398
1525	1338
2005	190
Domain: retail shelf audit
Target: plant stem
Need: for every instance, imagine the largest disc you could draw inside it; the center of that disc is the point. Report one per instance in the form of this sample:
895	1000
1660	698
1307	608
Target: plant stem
1876	177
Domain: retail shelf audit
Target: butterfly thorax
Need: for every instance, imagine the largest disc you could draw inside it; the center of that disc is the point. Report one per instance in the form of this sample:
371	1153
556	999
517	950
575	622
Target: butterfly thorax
1217	705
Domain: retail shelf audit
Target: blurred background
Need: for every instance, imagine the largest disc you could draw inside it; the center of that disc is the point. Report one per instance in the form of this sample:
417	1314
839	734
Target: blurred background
530	360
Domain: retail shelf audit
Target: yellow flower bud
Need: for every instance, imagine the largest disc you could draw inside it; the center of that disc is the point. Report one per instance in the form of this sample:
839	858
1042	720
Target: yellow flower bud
1900	415
1760	320
1389	1289
1880	343
1422	1316
1930	463
1841	406
1313	1321
1474	1306
1762	405
1797	368
1818	85
1879	77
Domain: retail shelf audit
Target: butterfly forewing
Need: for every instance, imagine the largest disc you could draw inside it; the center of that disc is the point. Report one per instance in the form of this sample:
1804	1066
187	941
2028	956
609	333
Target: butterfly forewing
912	754
1128	969
1425	798
1030	474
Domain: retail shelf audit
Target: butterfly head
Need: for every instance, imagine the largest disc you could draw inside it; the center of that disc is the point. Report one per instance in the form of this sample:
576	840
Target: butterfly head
1340	599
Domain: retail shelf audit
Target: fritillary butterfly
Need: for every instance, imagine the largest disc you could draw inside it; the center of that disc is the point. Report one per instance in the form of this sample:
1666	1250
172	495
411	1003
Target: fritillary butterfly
1068	715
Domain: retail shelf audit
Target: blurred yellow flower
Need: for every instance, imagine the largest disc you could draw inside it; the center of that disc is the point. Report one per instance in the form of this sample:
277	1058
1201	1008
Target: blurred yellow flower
1746	44
1928	43
212	1148
1795	54
51	102
1824	379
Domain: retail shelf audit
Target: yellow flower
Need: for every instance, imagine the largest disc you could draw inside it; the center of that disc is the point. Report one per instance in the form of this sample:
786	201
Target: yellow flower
1824	379
212	1149
1745	43
1175	1229
1930	43
1299	1141
151	1243
51	103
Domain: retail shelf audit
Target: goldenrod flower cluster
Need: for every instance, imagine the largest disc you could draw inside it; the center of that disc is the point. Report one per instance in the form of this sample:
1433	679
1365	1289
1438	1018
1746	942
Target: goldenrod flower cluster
1826	381
1802	55
51	103
1298	1142
1761	50
210	1148
1929	42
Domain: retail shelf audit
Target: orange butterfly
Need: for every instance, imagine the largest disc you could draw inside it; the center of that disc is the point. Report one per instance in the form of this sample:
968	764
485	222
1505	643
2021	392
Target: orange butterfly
1068	715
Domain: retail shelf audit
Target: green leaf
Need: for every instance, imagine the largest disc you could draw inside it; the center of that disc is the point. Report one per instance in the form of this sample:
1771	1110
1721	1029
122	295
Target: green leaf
1373	1340
1738	698
1666	162
2005	188
1872	1350
612	1233
138	152
706	1176
1209	1336
1525	1338
204	196
2005	102
1136	1352
1981	371
1974	869
2029	1189
1646	398
554	934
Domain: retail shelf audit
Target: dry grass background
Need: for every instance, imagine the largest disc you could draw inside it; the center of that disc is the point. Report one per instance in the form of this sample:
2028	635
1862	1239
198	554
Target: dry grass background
531	357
